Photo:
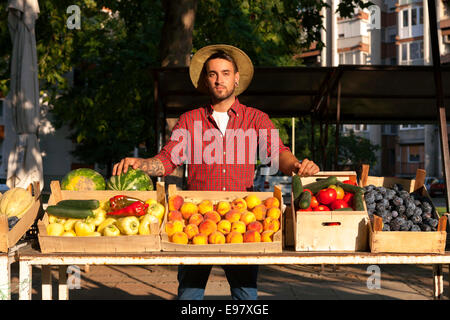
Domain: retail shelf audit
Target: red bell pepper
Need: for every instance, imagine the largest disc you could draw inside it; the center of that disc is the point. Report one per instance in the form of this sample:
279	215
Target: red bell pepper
136	208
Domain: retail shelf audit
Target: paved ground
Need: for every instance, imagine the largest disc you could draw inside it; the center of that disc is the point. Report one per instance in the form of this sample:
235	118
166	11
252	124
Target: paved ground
286	282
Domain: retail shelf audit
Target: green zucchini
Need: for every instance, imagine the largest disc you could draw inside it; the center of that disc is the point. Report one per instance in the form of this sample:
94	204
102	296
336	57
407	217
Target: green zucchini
297	187
319	185
80	204
304	201
358	201
350	188
69	212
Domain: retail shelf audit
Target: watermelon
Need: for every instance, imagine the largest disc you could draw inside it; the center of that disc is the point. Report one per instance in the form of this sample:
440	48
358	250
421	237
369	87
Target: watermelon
133	180
83	179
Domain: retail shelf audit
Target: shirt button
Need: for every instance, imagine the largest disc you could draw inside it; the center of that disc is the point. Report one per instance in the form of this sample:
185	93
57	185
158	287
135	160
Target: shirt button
223	188
223	170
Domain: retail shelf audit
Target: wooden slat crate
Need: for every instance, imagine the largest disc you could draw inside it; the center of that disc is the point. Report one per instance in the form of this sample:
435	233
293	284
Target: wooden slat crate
215	196
404	241
103	244
9	238
318	231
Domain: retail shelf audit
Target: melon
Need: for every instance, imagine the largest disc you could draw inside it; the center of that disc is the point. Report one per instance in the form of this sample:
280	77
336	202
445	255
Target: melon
132	180
83	179
16	202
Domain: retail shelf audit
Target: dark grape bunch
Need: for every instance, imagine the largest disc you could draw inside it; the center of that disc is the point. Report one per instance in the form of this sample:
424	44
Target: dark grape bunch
399	209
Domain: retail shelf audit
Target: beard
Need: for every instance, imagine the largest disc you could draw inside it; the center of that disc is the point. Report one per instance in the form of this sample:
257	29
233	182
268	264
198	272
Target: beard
223	95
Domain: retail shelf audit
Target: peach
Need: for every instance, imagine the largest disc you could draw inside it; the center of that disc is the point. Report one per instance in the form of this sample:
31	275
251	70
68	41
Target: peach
200	239
173	227
238	226
252	201
222	207
196	219
273	213
205	206
260	212
180	237
191	230
224	226
234	237
175	202
239	204
272	202
233	215
188	209
252	236
212	215
207	227
271	224
248	217
266	236
255	225
216	237
175	215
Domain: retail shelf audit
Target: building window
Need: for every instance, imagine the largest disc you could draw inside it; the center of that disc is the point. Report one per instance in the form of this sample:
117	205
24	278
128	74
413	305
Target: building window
405	18
349	58
404	52
341	35
414	51
360	128
341	58
414	153
364	58
421	15
413	17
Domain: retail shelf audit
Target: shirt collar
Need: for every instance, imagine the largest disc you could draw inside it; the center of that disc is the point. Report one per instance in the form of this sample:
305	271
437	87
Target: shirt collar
235	108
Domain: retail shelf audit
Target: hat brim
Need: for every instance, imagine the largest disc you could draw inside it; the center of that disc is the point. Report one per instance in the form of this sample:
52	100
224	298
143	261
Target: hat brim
243	63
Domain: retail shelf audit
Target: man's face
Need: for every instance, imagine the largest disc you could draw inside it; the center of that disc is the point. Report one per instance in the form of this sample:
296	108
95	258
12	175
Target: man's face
221	78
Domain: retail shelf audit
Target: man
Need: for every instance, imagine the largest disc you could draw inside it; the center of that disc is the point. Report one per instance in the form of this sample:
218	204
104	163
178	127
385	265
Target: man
223	72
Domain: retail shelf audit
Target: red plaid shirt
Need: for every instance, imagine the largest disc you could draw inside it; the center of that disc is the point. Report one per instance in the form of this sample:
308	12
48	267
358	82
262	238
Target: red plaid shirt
217	162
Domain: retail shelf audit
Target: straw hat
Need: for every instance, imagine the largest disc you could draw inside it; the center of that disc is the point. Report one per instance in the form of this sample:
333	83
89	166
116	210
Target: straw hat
243	62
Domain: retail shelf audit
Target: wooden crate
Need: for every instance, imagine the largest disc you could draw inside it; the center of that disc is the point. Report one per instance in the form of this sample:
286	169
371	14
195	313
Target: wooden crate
103	244
318	231
215	196
404	241
9	238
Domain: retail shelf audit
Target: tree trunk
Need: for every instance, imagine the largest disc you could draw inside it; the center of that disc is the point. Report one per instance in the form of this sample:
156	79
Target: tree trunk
176	40
175	51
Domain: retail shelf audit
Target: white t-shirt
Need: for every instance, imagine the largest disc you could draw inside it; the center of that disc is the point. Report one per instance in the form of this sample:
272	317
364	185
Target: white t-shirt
221	119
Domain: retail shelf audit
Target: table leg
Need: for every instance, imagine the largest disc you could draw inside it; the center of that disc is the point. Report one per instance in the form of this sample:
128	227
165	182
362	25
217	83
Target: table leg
25	280
46	282
438	281
63	290
5	278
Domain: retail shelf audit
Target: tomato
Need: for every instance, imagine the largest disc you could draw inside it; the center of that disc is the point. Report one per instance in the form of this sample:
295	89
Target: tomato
339	193
321	207
326	196
338	204
314	202
348	197
350	182
308	209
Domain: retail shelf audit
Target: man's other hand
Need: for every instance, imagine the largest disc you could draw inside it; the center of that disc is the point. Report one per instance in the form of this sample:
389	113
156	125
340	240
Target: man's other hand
306	168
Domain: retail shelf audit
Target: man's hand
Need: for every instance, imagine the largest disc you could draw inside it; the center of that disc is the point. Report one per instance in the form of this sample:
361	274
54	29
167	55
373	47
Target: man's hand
122	166
306	168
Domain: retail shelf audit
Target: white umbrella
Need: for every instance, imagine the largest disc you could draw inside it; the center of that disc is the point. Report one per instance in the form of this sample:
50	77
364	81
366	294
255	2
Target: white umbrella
22	109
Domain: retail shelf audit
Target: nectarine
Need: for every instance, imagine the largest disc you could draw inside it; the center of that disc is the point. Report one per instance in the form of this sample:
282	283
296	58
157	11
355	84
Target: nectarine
255	225
173	227
207	227
175	215
273	213
272	202
222	207
196	219
188	209
216	237
239	204
175	202
233	215
266	236
248	217
260	212
238	226
252	236
252	201
180	237
234	237
191	230
271	224
205	206
200	239
212	215
224	226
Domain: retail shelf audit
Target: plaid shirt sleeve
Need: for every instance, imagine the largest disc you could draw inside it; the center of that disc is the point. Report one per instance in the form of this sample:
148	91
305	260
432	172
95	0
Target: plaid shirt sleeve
174	152
267	132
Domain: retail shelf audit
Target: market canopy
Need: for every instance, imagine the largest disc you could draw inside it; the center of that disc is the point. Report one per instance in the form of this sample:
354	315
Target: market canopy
369	94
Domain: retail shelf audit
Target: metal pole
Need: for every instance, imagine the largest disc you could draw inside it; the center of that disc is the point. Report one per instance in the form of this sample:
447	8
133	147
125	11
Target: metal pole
338	123
293	136
442	119
158	124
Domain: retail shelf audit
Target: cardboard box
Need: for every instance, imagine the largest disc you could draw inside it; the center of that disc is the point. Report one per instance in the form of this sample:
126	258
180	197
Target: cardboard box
215	196
404	241
123	244
330	230
9	238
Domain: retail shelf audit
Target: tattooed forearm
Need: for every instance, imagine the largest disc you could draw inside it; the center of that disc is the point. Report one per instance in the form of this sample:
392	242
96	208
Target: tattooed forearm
153	167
